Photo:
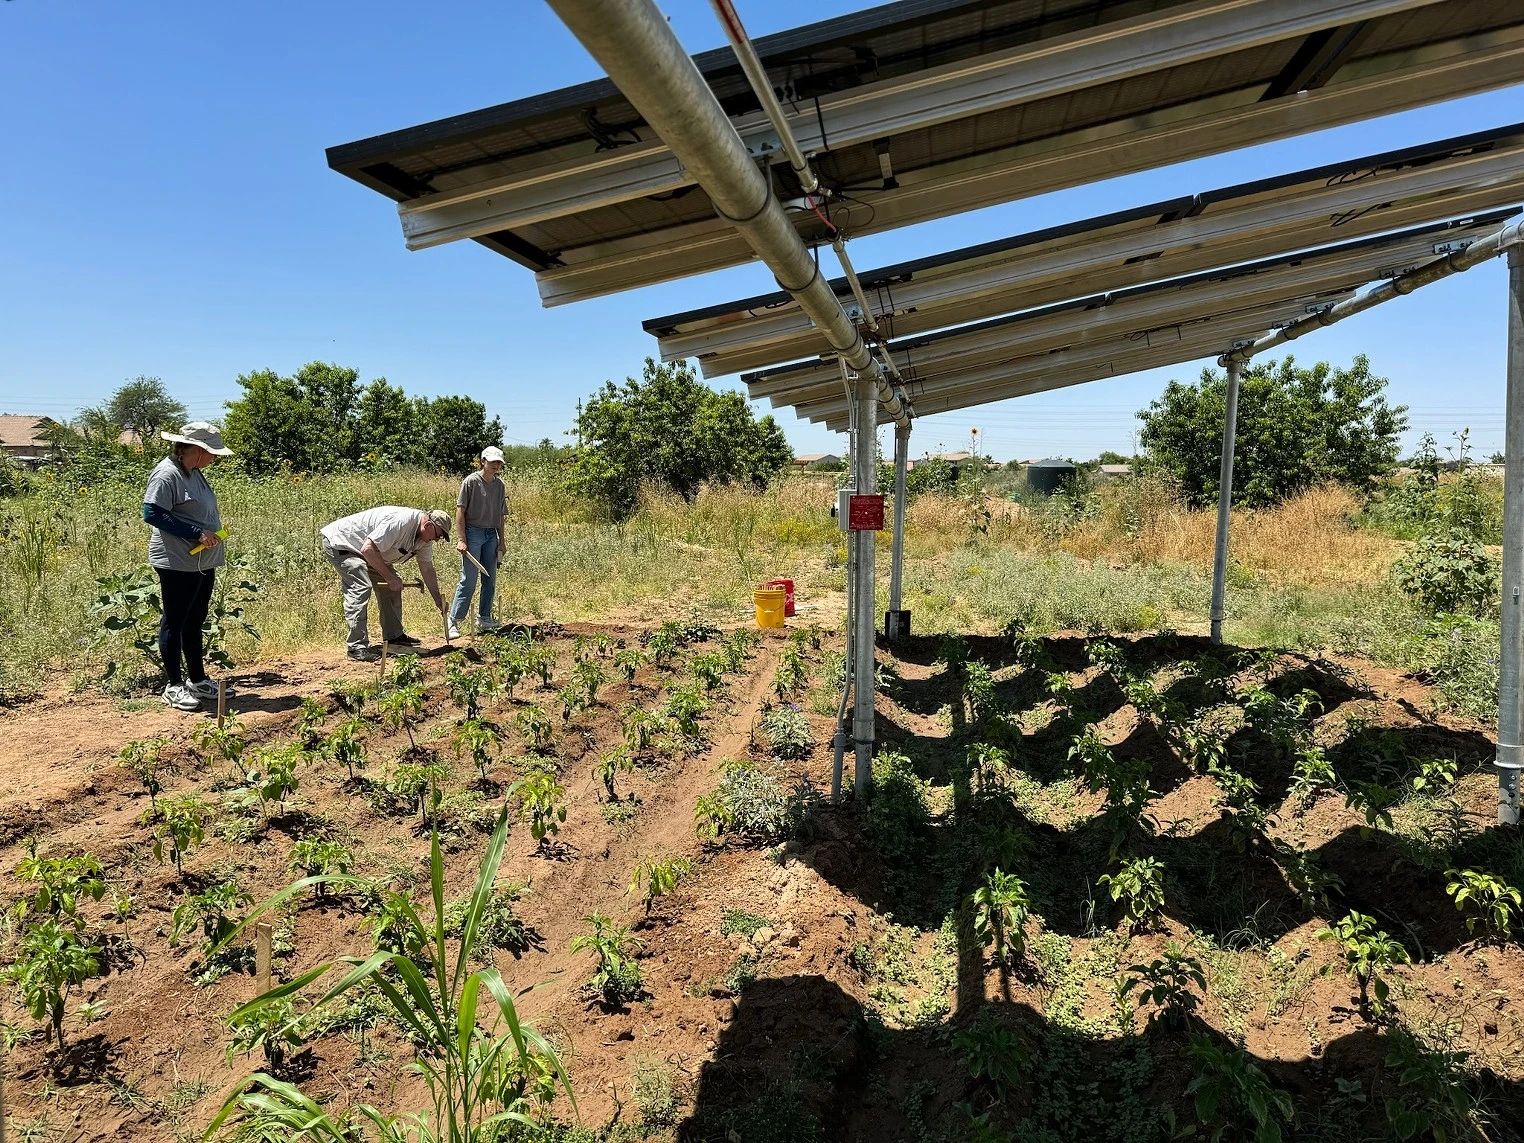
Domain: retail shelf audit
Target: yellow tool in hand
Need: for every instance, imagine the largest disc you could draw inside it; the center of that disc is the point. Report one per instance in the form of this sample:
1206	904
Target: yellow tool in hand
221	534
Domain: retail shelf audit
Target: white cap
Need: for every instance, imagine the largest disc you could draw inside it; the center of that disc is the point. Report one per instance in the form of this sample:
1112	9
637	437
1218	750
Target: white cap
492	452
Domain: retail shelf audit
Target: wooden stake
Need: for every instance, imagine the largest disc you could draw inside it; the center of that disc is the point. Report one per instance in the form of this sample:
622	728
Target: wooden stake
262	939
222	702
477	564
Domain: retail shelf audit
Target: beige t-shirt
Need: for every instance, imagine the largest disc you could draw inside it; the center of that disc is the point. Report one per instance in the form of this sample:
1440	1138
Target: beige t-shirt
393	530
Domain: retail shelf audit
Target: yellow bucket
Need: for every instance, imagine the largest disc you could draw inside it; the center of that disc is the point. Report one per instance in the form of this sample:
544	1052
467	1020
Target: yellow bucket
770	603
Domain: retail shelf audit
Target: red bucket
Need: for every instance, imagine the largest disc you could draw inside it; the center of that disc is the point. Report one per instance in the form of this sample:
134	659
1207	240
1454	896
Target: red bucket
788	593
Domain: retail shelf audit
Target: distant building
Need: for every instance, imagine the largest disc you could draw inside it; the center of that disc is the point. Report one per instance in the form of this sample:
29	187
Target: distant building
818	460
1113	471
23	437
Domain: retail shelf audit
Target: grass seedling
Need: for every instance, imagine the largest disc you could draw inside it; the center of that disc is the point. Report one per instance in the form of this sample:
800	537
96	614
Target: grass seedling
480	1079
1491	901
657	876
144	762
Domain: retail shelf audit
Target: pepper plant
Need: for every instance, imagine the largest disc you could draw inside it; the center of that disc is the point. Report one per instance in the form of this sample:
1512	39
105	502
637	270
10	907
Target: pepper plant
144	761
1368	952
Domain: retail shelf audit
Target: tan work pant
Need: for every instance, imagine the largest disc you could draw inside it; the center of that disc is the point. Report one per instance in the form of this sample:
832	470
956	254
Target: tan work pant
360	583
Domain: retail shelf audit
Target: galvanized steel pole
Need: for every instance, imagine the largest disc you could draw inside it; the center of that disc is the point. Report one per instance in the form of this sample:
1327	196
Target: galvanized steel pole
1224	500
632	41
897	621
864	621
756	75
1511	660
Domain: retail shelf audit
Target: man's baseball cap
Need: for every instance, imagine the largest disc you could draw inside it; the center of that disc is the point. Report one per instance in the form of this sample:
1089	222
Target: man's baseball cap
492	452
440	520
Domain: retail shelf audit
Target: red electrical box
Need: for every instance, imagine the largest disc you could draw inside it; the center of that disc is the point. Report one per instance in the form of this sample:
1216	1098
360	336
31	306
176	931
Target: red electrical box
865	514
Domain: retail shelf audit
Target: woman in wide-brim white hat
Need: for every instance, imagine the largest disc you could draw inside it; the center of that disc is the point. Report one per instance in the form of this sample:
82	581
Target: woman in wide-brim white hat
185	550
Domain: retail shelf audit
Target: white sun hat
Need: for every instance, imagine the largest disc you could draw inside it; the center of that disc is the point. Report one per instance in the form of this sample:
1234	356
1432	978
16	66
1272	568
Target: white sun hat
202	433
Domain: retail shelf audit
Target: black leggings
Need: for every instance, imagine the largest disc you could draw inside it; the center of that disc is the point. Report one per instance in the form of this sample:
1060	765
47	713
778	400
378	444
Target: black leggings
186	596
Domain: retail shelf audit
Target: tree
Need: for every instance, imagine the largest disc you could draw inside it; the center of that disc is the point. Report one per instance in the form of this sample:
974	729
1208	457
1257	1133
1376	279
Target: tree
452	431
383	425
1296	428
142	406
669	428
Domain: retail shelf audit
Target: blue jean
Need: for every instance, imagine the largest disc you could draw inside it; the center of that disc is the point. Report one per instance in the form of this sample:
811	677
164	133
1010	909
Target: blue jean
482	543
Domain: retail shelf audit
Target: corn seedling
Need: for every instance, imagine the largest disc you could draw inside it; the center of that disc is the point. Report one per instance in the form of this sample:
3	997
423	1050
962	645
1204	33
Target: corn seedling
481	1081
541	804
1000	908
58	885
181	825
143	760
347	745
628	661
1487	899
657	876
535	725
1138	886
1166	985
1368	952
609	763
55	959
320	859
273	1029
1233	1096
589	675
616	977
479	738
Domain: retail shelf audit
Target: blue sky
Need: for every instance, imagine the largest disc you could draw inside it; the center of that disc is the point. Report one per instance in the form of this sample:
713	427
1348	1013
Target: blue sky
170	213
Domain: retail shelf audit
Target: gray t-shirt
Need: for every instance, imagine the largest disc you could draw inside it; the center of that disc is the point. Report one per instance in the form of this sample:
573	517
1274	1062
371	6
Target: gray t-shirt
484	501
189	497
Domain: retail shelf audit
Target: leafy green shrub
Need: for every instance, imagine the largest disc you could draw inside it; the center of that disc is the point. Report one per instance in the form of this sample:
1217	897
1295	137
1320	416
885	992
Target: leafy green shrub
793	671
684	707
468	685
60	884
573	701
541	803
1000	908
711	817
992	1052
1311	772
1493	902
1138	885
616	977
1435	1098
1233	1096
276	779
181	825
1368	952
628	661
416	786
309	734
535	725
657	876
401	708
1374	802
787	731
1449	573
55	958
754	802
1166	984
314	857
641	728
978	684
227	741
1434	775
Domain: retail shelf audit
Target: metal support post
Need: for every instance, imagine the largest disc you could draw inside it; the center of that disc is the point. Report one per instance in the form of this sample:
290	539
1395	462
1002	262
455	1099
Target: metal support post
897	620
864	619
1511	660
1224	499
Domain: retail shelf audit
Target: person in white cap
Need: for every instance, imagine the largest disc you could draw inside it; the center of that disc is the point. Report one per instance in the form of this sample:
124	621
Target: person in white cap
479	512
185	550
366	549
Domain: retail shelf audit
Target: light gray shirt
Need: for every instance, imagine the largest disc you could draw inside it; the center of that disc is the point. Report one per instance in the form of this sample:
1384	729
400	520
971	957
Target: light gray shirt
393	530
189	497
483	501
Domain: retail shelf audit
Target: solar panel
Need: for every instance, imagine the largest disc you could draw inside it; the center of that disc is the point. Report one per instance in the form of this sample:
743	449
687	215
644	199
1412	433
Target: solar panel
1109	335
926	108
1371	194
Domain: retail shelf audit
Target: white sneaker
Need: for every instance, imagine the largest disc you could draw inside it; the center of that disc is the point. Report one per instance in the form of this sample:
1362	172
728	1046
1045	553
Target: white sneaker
181	698
453	632
206	689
